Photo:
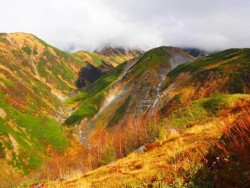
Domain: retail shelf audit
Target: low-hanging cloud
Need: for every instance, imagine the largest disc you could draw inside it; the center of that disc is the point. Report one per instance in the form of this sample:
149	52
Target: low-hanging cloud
92	24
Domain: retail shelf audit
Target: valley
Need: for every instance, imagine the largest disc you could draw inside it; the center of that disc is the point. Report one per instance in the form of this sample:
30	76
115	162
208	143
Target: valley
122	118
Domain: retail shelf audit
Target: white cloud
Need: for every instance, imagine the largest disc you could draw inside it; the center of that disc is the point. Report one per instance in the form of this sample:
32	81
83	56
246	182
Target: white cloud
90	24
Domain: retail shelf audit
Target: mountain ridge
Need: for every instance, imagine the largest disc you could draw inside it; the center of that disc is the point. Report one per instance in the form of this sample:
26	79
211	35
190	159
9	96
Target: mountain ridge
185	118
35	79
200	137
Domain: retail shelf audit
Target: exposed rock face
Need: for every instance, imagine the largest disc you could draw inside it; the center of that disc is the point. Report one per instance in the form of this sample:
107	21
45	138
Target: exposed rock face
137	93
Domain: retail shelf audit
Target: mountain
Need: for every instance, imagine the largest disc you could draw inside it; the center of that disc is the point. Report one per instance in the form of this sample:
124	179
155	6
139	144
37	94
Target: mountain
213	151
224	72
122	118
197	137
132	93
102	61
35	79
196	52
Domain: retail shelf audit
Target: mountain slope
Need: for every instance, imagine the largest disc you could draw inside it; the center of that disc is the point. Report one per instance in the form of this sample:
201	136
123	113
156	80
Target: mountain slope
179	158
108	57
147	72
224	72
35	79
199	139
130	92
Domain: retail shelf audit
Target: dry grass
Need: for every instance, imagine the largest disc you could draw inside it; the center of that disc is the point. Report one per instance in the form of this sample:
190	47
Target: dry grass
179	156
172	157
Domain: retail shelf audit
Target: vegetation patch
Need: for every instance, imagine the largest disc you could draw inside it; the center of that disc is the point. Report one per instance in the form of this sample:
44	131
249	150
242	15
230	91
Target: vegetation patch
32	134
27	50
90	99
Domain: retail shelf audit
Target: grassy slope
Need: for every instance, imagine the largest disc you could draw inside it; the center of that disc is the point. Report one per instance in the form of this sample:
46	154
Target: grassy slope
176	158
89	101
34	78
104	60
27	136
233	63
201	125
28	129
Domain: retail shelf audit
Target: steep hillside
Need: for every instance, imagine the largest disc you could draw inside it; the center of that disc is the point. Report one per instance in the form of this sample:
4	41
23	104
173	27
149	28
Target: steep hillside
102	61
108	57
139	83
198	135
196	52
35	79
129	92
212	152
224	72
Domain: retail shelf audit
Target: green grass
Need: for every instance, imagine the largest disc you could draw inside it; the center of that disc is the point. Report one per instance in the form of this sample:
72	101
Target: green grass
67	73
33	135
52	78
35	52
118	115
90	99
201	110
232	62
150	60
27	50
96	58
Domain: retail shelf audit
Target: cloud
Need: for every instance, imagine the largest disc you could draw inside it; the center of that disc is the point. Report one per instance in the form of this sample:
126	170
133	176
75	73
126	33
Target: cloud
91	24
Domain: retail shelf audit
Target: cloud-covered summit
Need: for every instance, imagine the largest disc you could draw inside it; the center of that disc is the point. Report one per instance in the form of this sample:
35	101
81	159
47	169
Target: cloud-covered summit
92	24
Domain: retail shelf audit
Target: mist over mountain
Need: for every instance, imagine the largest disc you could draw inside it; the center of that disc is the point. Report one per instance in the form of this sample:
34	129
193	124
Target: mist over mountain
143	24
114	94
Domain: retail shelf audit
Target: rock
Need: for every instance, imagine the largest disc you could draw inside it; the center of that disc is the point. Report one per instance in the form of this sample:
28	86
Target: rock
3	114
141	149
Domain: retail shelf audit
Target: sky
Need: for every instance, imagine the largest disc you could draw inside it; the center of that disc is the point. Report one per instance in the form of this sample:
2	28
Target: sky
73	25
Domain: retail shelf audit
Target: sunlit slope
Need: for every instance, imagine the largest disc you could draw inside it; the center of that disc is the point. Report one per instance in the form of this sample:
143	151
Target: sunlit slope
224	72
108	57
37	68
202	129
134	90
35	79
187	156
